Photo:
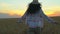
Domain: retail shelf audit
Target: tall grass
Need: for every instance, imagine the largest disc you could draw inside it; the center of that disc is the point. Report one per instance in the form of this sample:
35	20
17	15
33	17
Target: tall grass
10	26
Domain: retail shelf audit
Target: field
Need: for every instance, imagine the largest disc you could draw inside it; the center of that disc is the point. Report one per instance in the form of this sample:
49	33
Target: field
10	26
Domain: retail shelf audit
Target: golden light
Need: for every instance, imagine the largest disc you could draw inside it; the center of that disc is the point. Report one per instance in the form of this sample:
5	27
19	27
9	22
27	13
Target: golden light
16	12
49	12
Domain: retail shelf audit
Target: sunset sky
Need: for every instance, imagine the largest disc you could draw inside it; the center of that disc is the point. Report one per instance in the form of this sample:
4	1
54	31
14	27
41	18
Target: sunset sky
18	7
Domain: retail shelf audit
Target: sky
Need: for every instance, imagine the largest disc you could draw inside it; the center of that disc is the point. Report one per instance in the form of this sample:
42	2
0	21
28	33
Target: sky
18	7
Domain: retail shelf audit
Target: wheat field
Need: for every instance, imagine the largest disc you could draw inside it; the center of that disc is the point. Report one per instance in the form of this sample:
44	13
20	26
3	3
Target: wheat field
10	26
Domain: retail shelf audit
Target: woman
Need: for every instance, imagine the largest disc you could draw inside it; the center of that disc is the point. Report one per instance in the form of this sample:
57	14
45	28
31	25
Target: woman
34	17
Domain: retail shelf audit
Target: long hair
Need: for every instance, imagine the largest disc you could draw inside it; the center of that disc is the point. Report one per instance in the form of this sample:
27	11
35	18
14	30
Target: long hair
33	8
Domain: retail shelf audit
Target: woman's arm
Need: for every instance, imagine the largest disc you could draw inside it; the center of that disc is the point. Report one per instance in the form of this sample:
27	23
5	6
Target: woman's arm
46	17
20	20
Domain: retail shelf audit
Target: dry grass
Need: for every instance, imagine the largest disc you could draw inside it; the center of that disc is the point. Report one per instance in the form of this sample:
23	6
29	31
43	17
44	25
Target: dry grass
10	26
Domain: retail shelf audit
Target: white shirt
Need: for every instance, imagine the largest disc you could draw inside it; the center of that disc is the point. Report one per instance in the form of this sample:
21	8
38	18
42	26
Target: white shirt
34	20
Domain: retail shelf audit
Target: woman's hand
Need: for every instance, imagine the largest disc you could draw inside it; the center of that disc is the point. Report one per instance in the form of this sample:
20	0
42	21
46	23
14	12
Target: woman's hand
19	21
56	23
